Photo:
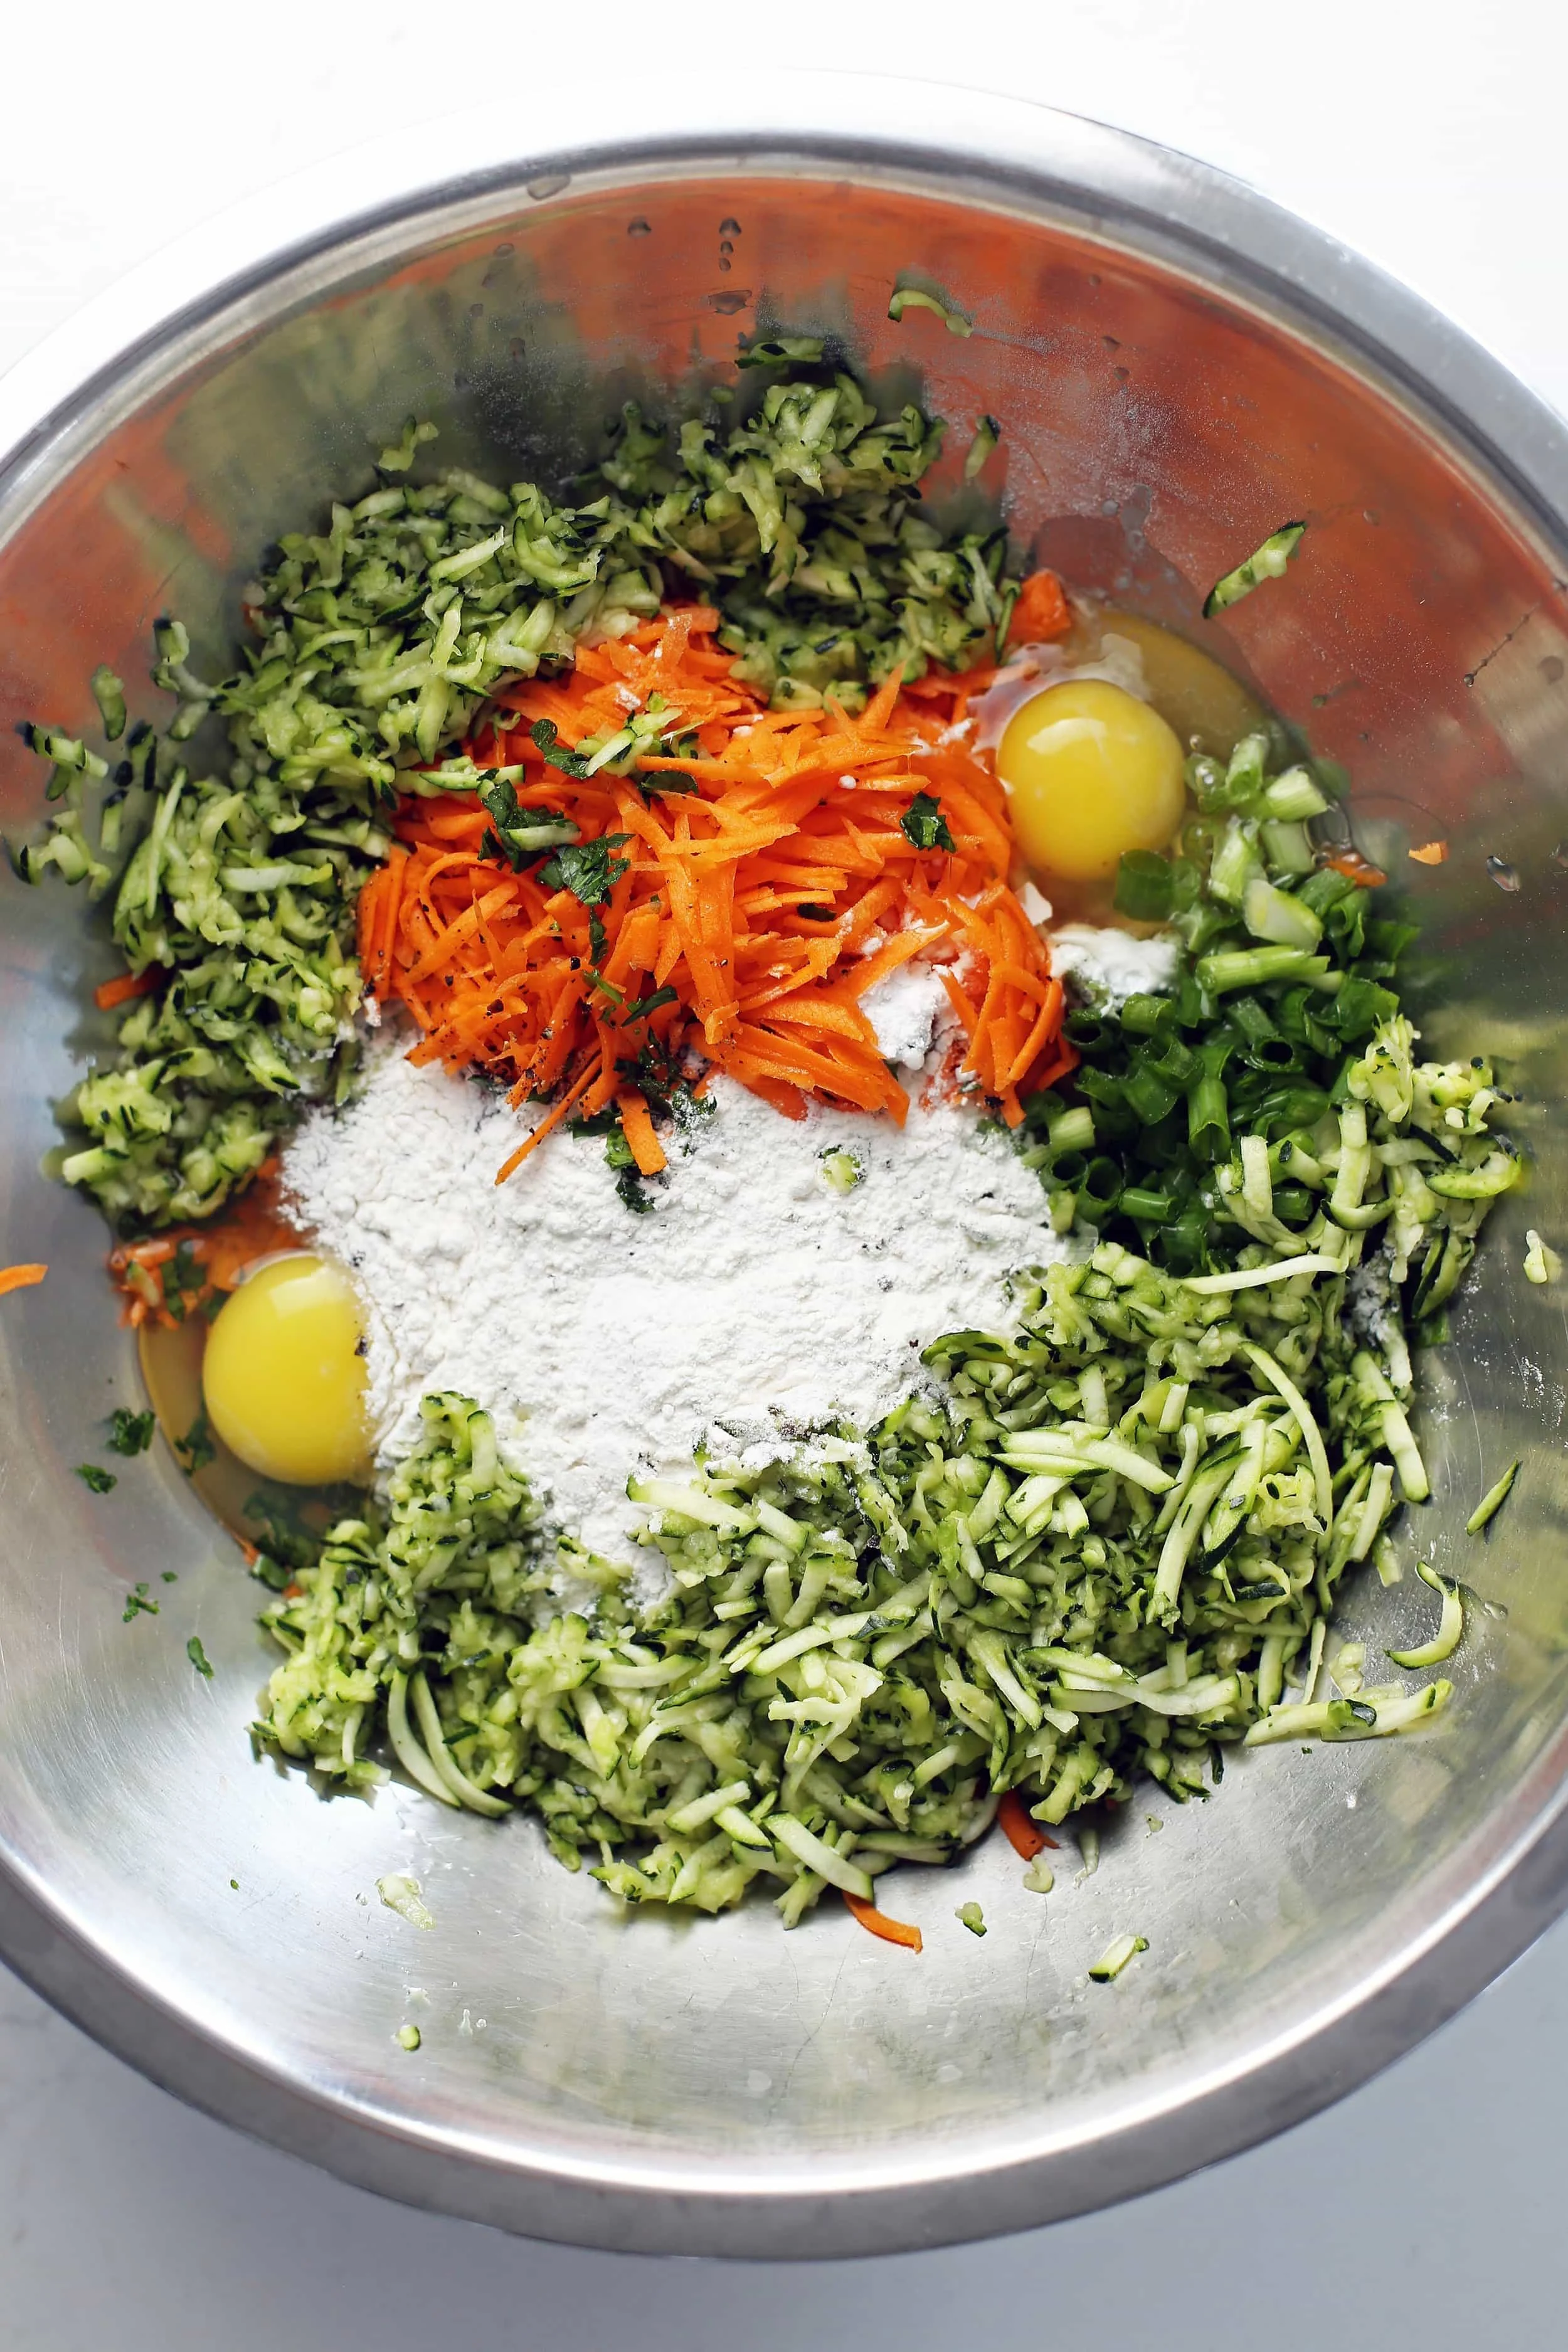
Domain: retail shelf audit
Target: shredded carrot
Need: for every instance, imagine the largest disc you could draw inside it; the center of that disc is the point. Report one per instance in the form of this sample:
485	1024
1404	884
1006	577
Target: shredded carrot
1358	869
124	986
1431	852
636	1125
891	1931
1042	612
1023	1834
755	882
213	1258
20	1277
551	1120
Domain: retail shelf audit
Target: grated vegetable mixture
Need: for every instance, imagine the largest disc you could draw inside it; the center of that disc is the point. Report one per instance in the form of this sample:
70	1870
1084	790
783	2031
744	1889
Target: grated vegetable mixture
1107	1545
1102	1542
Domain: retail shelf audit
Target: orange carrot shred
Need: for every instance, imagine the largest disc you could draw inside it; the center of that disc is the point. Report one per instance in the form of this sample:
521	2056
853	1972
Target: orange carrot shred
1023	1834
552	1118
1431	852
124	986
1358	869
636	1125
1042	612
20	1277
891	1931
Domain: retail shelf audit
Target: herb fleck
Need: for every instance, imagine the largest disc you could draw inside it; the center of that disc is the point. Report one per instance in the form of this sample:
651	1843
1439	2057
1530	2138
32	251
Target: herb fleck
130	1433
100	1482
198	1657
556	754
196	1448
586	868
923	824
183	1279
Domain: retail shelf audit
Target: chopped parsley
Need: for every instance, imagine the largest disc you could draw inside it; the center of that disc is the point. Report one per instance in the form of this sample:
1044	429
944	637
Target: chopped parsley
520	834
555	753
196	1448
629	1185
130	1433
183	1279
99	1482
628	1181
647	1004
586	868
137	1605
923	824
198	1657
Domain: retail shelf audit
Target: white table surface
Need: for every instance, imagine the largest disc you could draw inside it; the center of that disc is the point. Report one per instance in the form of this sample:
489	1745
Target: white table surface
1424	2209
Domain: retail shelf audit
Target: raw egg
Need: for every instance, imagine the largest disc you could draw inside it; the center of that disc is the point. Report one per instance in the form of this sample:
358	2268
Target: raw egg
1091	773
284	1377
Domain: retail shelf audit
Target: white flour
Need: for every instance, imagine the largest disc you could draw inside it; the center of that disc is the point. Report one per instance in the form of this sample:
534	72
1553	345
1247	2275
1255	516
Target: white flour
906	1009
754	1296
1106	967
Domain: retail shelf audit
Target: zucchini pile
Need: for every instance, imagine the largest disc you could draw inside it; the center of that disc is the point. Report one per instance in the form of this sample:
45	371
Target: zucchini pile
236	851
1102	1543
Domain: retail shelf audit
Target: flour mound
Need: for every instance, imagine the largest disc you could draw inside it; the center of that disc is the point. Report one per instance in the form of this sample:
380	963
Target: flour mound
1106	967
753	1304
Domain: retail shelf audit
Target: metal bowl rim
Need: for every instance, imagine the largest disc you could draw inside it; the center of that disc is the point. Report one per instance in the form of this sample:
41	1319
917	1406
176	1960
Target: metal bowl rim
1183	214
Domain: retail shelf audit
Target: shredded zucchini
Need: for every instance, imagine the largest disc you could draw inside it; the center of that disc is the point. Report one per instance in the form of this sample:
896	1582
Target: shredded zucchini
1265	562
915	297
1450	1624
1102	1543
1542	1263
379	637
1492	1501
1111	1961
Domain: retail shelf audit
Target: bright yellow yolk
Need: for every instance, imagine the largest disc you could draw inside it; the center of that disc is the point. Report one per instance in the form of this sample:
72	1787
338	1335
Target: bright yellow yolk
1092	772
283	1377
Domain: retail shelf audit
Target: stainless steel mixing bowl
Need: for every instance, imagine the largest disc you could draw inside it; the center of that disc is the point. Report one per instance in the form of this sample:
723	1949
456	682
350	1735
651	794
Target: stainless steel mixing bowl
1179	368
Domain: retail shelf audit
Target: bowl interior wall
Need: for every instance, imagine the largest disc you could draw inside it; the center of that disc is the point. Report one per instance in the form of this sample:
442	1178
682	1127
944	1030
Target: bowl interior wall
1155	429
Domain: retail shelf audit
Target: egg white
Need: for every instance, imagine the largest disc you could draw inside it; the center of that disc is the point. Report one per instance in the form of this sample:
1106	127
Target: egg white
1033	668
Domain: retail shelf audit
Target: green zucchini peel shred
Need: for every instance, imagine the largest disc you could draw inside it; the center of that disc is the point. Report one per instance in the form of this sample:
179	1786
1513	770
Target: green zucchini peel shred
1492	1501
1450	1624
915	297
1265	562
1116	1956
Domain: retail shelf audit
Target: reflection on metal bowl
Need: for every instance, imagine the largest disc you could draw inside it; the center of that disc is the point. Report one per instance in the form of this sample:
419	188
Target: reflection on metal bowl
1177	368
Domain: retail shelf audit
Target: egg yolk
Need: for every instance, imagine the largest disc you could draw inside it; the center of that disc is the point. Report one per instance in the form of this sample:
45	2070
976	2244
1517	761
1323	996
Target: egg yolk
1092	772
283	1376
